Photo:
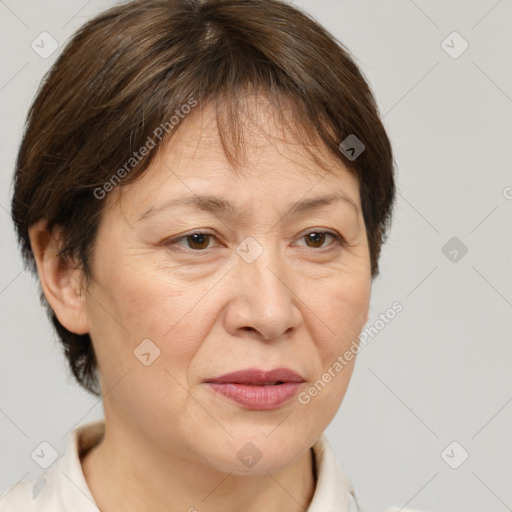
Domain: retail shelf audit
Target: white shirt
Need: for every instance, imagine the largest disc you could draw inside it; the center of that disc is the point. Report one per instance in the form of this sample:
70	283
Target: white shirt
63	488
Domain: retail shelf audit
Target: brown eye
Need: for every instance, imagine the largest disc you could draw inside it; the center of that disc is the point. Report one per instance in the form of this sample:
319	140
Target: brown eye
317	239
196	241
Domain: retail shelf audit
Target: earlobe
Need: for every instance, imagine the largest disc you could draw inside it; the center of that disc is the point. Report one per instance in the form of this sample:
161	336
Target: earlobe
61	283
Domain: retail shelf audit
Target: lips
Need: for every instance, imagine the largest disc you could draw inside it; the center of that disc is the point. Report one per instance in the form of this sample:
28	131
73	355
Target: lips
258	389
257	377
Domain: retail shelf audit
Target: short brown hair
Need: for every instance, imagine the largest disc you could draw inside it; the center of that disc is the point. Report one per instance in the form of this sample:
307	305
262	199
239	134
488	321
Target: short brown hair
128	70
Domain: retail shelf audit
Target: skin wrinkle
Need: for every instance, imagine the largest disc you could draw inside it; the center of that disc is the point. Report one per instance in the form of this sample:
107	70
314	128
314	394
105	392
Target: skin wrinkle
219	205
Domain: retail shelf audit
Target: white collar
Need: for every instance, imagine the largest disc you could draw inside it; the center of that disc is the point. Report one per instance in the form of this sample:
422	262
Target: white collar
63	485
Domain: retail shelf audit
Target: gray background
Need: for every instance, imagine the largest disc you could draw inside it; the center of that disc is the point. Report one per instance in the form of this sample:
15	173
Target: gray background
440	371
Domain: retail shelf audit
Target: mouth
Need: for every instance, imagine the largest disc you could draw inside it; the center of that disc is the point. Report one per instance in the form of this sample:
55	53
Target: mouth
257	377
272	383
258	389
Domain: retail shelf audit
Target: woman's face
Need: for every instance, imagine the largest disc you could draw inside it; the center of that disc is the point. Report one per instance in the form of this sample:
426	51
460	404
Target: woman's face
169	313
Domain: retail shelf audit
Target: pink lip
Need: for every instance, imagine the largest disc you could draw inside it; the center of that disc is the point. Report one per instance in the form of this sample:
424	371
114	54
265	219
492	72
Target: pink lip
257	389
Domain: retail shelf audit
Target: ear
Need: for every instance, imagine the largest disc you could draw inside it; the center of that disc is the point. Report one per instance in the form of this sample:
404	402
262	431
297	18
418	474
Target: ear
61	283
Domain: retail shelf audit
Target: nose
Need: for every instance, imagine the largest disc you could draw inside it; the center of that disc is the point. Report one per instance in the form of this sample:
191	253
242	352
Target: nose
262	302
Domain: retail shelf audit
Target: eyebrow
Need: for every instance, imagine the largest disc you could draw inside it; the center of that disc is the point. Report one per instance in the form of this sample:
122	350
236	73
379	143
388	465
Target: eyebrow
222	207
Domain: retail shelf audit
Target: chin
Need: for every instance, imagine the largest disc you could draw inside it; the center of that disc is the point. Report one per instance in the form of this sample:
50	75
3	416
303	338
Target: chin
253	451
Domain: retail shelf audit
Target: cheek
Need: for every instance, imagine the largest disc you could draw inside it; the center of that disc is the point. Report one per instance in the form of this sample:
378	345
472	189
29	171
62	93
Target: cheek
342	315
340	307
137	306
150	305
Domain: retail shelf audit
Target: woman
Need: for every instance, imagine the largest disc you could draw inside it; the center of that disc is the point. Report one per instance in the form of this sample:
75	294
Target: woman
203	189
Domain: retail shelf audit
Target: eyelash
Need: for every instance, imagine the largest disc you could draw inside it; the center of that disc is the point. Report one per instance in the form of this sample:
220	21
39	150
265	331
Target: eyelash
174	241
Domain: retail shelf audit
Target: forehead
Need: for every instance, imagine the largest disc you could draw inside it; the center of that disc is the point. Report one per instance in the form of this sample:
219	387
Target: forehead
271	161
261	135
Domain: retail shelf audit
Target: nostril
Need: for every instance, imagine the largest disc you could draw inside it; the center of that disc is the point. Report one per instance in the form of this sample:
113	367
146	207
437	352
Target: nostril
252	329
